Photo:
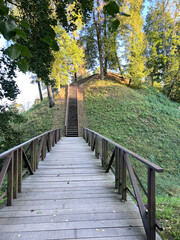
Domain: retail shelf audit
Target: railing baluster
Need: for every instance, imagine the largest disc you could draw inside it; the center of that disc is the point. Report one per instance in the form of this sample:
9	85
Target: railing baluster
49	142
97	147
33	155
117	168
92	141
15	187
44	148
124	177
20	170
10	181
89	138
151	204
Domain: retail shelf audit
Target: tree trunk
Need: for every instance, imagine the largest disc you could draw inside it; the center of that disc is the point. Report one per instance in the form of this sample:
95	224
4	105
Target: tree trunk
58	89
40	92
172	85
75	77
105	46
98	32
50	96
152	80
118	62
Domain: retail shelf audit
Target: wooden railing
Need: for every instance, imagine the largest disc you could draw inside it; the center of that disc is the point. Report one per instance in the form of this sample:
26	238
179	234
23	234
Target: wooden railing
67	109
122	165
22	158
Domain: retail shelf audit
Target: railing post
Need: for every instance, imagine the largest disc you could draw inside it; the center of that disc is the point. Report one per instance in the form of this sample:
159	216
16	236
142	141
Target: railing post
86	136
44	148
97	147
53	139
117	169
104	152
89	138
123	176
92	141
59	134
49	141
151	205
83	133
20	170
10	181
15	187
56	137
33	155
36	154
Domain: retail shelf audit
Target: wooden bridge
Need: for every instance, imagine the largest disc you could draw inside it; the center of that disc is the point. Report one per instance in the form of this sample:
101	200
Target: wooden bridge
69	195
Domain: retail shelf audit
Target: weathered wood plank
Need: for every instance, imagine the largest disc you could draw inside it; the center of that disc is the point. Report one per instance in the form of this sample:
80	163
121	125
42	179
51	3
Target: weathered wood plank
70	197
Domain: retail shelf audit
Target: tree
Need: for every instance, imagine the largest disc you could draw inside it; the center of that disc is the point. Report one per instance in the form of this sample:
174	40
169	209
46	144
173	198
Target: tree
135	43
162	30
68	60
97	12
8	86
38	81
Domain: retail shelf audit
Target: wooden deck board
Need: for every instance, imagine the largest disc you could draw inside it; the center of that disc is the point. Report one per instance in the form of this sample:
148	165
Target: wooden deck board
70	197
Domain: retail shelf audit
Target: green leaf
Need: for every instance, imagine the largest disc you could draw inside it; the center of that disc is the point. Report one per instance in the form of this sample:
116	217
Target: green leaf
4	9
111	8
114	25
124	14
23	65
7	28
24	51
13	51
25	24
54	45
47	40
21	33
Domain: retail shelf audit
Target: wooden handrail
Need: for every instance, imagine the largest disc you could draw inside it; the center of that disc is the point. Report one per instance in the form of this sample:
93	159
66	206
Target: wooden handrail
122	165
13	166
67	110
138	157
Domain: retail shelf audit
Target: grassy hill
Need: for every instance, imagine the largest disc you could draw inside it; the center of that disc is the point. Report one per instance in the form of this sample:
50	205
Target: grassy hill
40	118
146	122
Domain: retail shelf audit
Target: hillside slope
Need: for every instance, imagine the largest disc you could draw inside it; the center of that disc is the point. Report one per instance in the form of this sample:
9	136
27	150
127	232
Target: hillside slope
40	118
145	122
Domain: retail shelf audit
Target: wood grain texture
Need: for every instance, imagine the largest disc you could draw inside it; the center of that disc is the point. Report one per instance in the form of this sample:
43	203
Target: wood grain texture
70	197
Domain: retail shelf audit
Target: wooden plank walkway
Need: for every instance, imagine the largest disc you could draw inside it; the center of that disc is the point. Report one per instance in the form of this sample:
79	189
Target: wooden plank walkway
70	197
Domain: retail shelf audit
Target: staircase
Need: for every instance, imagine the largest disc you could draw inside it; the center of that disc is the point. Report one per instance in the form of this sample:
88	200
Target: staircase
72	122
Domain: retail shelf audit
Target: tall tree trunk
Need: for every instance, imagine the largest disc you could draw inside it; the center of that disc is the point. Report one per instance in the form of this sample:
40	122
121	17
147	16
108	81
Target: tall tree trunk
99	39
40	91
58	89
152	79
75	77
172	85
50	96
117	58
105	46
118	62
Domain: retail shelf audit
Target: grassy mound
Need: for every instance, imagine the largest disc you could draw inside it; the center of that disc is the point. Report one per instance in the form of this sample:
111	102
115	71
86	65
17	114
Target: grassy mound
41	118
146	122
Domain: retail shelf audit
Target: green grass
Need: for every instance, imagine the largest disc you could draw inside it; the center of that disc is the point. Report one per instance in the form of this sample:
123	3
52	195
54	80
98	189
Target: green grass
144	121
41	118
